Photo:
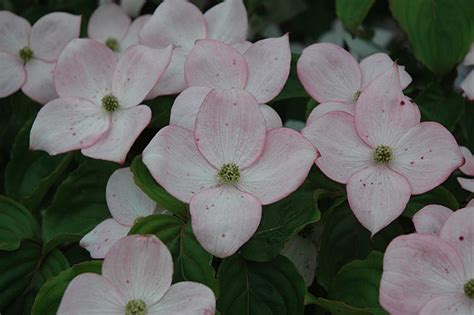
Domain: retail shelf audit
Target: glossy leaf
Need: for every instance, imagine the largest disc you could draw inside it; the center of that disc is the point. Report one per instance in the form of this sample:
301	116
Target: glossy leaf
437	196
353	12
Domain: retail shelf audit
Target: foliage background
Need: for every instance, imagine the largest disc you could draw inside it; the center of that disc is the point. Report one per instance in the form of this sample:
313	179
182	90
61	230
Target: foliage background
49	203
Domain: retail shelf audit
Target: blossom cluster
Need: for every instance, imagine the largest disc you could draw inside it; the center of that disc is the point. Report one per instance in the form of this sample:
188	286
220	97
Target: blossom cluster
225	152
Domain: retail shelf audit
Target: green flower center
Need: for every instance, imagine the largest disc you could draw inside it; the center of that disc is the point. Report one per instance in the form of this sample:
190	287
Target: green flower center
110	103
356	95
26	53
113	44
382	154
469	289
229	173
136	307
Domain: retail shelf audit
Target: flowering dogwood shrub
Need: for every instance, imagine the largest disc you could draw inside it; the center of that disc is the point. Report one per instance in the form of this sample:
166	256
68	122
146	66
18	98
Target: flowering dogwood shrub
236	157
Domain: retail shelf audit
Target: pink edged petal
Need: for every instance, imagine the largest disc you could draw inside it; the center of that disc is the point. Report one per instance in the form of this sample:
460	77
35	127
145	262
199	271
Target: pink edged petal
418	268
426	155
242	47
268	63
126	201
77	123
140	267
175	162
185	298
227	21
469	59
377	64
12	74
431	219
108	21
470	203
329	73
224	219
172	81
272	119
177	23
85	69
132	37
132	7
303	254
466	183
125	127
283	166
51	34
92	294
342	152
324	108
382	113
457	304
377	196
186	106
137	72
39	84
468	86
468	166
99	241
214	64
230	128
14	32
458	231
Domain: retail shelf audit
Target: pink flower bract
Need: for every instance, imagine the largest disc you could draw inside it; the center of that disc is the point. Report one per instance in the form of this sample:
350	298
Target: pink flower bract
228	168
468	169
136	274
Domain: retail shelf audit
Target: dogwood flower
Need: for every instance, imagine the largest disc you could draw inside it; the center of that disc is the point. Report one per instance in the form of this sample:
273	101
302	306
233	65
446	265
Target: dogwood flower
228	167
127	203
131	7
97	108
262	70
136	280
111	26
330	74
430	274
431	219
180	23
468	84
468	169
382	152
28	54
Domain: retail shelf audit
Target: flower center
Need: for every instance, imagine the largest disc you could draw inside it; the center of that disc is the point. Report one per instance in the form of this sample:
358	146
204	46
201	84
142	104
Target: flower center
469	289
382	154
113	44
229	173
110	103
136	307
26	53
356	95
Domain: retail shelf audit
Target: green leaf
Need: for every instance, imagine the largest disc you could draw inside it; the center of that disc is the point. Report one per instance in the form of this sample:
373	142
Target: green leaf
437	196
16	224
50	295
23	272
338	307
440	31
30	174
279	222
357	283
147	183
447	108
79	204
260	288
161	110
191	261
353	12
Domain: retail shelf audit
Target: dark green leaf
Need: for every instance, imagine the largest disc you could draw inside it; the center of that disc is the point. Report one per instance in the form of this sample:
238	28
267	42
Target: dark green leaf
161	109
147	183
30	174
256	288
49	296
437	196
338	307
279	222
79	203
16	224
440	31
191	261
353	12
